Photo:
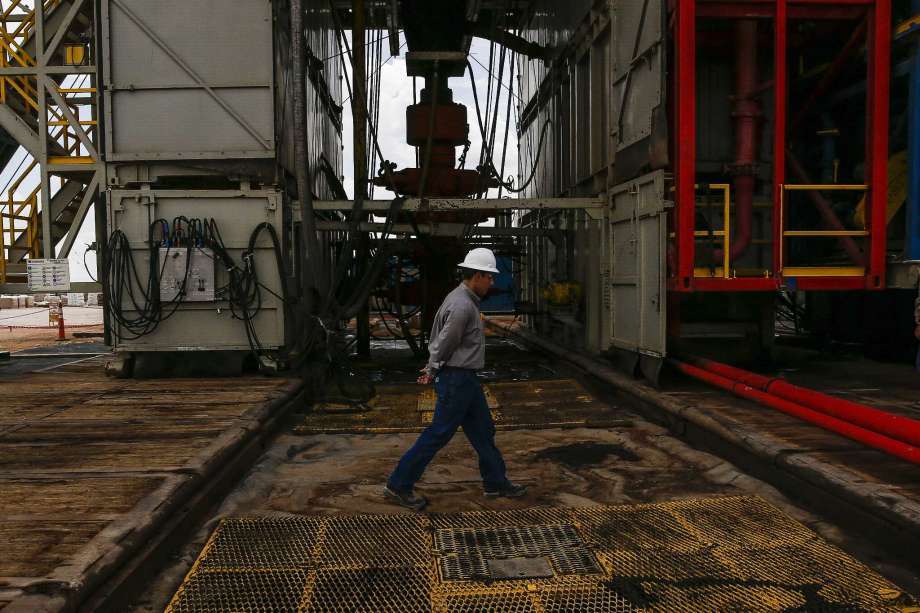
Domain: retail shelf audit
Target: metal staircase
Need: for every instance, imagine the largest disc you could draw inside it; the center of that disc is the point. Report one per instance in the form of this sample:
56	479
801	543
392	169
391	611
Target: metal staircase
48	102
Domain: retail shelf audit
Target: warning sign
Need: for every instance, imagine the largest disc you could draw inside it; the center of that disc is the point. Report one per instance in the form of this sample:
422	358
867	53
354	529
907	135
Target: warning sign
47	275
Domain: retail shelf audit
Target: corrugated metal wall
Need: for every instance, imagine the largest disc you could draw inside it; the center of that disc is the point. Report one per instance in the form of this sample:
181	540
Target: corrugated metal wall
572	160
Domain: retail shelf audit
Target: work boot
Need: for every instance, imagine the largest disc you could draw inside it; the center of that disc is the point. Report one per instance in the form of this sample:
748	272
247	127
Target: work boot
405	499
508	490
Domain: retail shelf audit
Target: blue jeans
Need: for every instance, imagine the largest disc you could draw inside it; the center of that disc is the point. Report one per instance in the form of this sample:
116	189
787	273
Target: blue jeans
460	403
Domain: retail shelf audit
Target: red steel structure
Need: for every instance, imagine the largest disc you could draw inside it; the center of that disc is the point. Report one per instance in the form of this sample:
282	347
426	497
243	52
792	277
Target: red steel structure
787	174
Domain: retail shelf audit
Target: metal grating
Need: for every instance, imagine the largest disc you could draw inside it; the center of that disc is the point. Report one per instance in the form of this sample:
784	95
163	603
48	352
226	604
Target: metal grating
596	596
370	590
507	602
376	541
249	590
725	554
463	553
262	542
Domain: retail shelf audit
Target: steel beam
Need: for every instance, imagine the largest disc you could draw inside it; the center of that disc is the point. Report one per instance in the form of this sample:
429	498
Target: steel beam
912	238
433	229
466	204
21	132
88	196
685	145
62	30
359	116
75	286
879	46
780	113
19	71
72	119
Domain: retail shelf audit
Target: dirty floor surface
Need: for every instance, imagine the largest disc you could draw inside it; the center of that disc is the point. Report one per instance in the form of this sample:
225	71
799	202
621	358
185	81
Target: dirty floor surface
636	462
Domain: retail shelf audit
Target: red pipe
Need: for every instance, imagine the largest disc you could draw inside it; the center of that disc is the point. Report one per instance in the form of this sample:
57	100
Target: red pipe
844	428
897	427
857	37
747	115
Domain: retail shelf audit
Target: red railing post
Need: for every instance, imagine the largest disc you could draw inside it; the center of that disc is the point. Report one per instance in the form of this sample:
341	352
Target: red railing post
780	106
879	49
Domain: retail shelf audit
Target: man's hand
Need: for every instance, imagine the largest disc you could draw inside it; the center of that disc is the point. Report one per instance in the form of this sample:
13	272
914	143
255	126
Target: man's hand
425	378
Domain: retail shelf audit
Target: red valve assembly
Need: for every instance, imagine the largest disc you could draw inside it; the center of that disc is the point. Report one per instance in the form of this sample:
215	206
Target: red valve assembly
448	130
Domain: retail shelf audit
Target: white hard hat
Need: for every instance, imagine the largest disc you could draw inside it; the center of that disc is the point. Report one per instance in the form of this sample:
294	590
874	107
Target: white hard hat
480	259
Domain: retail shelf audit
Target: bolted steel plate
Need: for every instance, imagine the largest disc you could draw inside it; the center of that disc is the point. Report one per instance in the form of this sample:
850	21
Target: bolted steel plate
519	568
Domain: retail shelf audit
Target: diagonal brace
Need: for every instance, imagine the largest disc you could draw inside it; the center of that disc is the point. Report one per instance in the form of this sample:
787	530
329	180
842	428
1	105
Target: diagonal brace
51	86
62	31
191	73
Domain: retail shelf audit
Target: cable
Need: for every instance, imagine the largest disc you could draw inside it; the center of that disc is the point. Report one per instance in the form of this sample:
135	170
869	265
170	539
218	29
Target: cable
120	271
491	165
498	97
418	351
368	44
243	291
22	315
86	266
493	76
507	127
348	97
485	143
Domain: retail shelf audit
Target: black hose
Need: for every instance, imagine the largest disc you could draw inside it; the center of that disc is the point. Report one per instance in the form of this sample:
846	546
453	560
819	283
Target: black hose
482	130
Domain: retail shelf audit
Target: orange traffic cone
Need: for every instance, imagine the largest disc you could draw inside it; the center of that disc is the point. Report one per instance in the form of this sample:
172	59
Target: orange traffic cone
61	325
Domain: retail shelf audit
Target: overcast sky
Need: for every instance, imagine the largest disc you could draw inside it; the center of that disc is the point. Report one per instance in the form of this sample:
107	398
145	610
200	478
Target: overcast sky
395	96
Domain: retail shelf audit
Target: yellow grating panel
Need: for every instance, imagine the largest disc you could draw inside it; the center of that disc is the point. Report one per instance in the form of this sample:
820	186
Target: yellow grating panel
376	541
241	590
508	602
713	554
369	590
534	404
262	542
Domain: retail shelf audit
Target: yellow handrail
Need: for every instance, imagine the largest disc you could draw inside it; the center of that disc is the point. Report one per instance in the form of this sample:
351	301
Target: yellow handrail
816	271
726	231
19	217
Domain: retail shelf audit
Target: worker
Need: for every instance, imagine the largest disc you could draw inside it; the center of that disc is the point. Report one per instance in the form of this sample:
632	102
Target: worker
456	351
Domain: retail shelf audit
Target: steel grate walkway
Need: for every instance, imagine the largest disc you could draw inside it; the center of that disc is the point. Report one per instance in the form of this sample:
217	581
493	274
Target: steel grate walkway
733	553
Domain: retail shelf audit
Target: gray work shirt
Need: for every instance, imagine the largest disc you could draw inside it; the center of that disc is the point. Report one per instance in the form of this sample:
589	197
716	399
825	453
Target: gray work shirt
457	337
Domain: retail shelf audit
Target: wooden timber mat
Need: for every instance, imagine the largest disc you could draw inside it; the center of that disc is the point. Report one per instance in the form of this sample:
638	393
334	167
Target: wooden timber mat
408	407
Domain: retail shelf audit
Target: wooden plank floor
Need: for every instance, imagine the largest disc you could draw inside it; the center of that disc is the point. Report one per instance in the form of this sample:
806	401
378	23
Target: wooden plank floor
88	463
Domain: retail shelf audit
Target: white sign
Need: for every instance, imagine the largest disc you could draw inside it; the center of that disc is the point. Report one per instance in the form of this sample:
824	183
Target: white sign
48	275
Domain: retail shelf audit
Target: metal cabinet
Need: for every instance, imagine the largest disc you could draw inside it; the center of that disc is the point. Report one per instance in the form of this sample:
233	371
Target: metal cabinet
635	293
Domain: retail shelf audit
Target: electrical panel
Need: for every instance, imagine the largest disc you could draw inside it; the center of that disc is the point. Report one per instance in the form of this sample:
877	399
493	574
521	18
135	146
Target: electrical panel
199	282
